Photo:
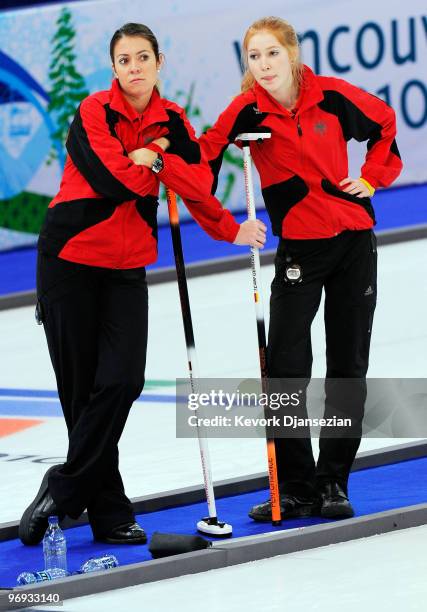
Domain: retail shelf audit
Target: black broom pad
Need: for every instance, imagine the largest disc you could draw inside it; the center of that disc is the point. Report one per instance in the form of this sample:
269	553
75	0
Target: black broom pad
167	544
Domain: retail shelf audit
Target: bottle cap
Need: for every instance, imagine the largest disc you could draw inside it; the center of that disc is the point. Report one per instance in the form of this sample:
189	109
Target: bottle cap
53	519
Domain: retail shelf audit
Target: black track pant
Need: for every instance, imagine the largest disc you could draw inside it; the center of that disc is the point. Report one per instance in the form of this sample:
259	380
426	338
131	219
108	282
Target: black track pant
344	266
95	321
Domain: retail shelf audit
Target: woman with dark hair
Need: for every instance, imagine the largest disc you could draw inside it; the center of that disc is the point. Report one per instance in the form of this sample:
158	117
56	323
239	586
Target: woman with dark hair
324	221
99	234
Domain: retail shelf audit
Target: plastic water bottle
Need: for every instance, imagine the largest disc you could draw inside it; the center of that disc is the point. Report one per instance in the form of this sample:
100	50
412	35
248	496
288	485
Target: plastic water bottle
31	577
100	563
54	546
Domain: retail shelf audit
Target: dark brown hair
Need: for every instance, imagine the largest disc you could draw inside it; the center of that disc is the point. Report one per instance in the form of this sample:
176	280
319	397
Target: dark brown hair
135	29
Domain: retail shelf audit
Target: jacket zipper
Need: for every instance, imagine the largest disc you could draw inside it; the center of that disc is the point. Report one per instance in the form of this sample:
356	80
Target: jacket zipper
125	215
299	130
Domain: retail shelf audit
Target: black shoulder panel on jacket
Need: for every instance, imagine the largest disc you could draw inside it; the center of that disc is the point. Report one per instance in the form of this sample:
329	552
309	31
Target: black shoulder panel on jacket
247	118
91	167
112	117
67	219
181	143
354	123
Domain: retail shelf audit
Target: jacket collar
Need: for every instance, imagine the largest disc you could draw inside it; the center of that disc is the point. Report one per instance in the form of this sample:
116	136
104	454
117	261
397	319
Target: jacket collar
154	112
310	94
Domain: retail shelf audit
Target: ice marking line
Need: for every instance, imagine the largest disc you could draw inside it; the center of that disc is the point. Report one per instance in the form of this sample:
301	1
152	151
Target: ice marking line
13	398
28	393
26	407
38	395
12	426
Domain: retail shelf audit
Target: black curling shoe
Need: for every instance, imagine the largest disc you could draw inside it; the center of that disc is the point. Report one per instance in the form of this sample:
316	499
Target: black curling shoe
130	533
290	507
335	503
34	521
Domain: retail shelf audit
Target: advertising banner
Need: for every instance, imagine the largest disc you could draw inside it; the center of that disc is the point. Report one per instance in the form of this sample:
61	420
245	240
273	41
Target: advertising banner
52	57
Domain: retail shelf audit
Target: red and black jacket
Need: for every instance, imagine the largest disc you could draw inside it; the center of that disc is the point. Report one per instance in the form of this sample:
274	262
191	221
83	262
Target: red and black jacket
105	213
302	164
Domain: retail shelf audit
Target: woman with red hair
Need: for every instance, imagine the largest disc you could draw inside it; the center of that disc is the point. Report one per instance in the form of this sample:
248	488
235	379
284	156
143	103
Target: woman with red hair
323	219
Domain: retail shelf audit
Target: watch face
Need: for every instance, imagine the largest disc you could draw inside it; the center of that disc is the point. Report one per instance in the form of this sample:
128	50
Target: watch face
157	165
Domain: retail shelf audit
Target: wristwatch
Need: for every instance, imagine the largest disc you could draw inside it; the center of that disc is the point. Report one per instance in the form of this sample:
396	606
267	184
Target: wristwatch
157	165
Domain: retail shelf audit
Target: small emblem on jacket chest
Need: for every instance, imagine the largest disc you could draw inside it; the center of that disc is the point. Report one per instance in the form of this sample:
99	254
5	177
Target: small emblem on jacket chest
320	128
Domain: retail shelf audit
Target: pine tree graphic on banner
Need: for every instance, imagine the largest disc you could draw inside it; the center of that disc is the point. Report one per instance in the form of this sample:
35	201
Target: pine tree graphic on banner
68	86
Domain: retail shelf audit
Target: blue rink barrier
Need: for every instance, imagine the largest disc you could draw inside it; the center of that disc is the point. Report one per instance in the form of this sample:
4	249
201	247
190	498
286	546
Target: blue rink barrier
396	208
372	490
